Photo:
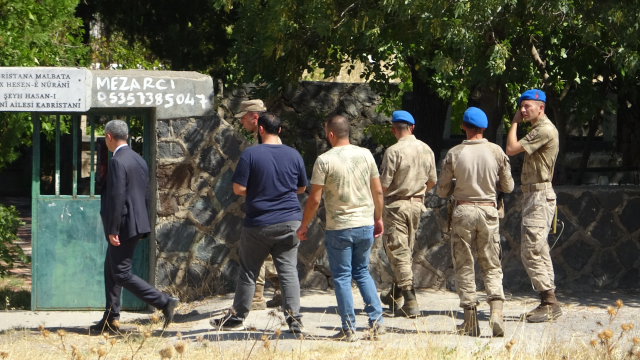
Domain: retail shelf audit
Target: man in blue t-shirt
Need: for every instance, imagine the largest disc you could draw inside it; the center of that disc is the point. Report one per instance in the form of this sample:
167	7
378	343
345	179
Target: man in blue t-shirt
270	175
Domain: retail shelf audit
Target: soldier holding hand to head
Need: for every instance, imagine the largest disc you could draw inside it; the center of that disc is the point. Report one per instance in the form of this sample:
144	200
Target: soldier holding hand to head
539	200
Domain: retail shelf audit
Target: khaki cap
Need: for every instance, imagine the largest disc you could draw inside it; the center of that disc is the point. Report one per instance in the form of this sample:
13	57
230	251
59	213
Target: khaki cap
250	105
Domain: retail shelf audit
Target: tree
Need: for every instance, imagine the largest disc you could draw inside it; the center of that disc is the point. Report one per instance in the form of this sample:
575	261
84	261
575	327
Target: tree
445	49
9	252
421	42
182	35
35	33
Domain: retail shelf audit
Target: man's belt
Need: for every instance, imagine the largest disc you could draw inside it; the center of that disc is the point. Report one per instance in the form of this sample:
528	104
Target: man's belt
392	198
535	187
462	202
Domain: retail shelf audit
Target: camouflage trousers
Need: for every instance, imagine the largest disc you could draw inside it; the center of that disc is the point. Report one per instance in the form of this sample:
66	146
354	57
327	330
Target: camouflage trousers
476	226
537	214
268	271
401	219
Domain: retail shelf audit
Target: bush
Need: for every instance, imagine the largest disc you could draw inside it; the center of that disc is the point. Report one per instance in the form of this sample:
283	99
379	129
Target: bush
9	252
12	299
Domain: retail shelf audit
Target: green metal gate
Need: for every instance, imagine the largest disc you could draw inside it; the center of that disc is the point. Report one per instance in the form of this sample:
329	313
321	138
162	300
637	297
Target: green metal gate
68	243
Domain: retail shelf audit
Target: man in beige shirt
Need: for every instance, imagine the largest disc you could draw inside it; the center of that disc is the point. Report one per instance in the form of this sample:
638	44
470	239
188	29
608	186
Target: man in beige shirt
407	172
539	200
250	110
348	176
480	169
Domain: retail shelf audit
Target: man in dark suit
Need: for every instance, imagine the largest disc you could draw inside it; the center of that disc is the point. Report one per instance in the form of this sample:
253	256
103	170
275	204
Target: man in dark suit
125	200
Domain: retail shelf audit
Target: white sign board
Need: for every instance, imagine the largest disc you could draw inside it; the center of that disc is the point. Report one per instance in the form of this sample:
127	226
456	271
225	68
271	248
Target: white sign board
54	89
172	93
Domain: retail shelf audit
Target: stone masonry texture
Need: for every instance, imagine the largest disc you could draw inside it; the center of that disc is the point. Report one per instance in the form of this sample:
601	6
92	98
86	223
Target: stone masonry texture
200	219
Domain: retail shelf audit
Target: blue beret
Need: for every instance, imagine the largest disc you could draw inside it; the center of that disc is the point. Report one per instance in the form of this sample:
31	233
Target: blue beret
401	115
475	116
533	94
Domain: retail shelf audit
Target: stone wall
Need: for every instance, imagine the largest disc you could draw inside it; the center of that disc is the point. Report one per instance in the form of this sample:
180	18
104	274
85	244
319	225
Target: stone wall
200	219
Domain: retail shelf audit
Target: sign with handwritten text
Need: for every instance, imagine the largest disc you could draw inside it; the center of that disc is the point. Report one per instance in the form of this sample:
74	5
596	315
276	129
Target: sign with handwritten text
183	94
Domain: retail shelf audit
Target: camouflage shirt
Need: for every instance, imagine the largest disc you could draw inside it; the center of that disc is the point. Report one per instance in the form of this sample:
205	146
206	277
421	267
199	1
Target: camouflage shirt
407	167
346	173
541	150
480	169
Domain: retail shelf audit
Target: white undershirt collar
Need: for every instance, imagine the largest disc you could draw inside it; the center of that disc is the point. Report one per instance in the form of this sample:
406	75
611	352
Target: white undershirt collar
118	148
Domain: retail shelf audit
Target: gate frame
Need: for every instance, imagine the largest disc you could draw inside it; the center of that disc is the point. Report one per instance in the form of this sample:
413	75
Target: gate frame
149	155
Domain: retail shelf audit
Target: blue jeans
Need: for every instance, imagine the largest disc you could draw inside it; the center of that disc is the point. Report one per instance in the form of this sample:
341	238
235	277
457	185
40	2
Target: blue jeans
348	251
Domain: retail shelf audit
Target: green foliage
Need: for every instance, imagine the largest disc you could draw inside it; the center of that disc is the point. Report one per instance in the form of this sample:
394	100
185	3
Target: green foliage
114	51
9	252
35	33
453	46
40	33
381	134
11	299
14	132
182	35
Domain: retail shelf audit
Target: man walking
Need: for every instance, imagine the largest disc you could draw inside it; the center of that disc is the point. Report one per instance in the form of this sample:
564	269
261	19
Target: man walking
407	172
480	169
250	110
539	200
124	204
353	204
269	175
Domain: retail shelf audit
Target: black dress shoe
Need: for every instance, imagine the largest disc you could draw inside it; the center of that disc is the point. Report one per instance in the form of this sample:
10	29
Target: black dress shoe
168	310
106	325
228	322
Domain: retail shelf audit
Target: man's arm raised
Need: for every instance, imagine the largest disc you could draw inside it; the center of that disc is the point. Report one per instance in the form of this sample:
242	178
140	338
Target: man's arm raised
513	146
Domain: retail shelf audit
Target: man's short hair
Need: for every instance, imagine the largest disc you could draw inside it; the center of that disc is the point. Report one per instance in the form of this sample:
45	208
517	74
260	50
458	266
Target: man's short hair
118	129
270	122
470	126
338	125
401	125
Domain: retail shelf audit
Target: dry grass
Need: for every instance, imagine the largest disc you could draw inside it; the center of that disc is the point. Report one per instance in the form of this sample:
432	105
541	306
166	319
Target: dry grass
147	341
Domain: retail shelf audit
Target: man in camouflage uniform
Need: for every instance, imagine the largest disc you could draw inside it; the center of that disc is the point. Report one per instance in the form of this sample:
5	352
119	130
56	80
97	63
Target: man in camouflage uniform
250	110
539	200
480	169
407	172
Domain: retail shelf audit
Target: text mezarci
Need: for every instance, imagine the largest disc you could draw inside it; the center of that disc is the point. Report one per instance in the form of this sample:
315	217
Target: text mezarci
147	91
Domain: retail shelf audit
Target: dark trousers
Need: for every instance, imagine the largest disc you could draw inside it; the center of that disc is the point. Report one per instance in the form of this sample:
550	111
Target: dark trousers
256	243
118	275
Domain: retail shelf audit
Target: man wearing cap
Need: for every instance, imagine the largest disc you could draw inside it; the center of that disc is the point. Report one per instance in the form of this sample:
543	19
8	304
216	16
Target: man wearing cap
250	110
407	172
539	200
480	169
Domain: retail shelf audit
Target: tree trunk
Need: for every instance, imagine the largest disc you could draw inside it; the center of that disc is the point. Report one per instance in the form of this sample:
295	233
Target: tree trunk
628	141
85	11
429	112
586	152
488	99
554	113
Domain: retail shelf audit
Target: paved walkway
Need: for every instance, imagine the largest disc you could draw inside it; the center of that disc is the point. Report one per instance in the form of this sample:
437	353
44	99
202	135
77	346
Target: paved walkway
585	315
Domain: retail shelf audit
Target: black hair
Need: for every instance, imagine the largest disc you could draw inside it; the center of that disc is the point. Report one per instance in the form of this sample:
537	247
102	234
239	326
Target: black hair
339	126
270	122
401	125
470	126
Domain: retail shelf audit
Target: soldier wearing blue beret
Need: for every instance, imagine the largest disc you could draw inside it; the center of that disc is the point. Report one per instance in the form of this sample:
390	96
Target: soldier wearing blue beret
408	171
480	170
540	146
